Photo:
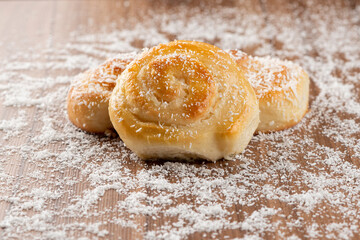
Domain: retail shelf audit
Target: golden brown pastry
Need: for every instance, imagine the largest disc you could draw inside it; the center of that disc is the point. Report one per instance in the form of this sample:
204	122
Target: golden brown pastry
282	88
184	99
88	98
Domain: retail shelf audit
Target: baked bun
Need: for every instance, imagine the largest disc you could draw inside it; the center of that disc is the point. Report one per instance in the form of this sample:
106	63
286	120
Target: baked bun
282	88
88	98
184	99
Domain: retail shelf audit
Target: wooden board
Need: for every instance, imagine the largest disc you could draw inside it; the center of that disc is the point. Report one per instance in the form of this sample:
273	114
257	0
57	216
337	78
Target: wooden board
57	182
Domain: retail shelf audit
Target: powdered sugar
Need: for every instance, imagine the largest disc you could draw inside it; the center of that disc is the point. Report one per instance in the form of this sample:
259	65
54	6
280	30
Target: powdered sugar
60	183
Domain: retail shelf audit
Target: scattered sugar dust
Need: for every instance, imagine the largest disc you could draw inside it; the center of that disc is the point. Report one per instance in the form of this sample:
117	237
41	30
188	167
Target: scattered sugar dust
57	182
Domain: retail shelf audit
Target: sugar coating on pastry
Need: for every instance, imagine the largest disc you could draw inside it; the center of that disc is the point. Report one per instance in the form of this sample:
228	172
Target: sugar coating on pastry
184	99
282	88
89	94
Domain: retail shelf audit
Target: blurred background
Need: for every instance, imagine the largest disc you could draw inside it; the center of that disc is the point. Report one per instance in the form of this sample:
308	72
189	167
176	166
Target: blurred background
258	27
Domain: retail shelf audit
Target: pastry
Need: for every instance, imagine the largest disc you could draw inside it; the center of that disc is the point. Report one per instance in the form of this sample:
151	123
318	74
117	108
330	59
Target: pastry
184	99
88	98
282	88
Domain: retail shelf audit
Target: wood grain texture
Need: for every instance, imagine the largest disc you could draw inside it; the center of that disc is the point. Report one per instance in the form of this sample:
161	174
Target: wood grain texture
26	26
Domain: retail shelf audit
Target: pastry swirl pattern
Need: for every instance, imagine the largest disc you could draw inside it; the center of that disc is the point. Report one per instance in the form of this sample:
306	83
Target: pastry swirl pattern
184	98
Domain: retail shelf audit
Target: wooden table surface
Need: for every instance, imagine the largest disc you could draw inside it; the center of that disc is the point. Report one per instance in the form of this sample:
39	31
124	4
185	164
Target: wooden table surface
57	182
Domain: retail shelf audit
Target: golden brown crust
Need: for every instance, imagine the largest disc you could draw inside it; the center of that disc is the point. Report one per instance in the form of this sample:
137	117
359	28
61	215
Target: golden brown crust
89	94
281	87
184	99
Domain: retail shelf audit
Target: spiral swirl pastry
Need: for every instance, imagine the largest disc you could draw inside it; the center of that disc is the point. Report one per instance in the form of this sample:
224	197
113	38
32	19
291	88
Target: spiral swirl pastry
282	88
184	99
